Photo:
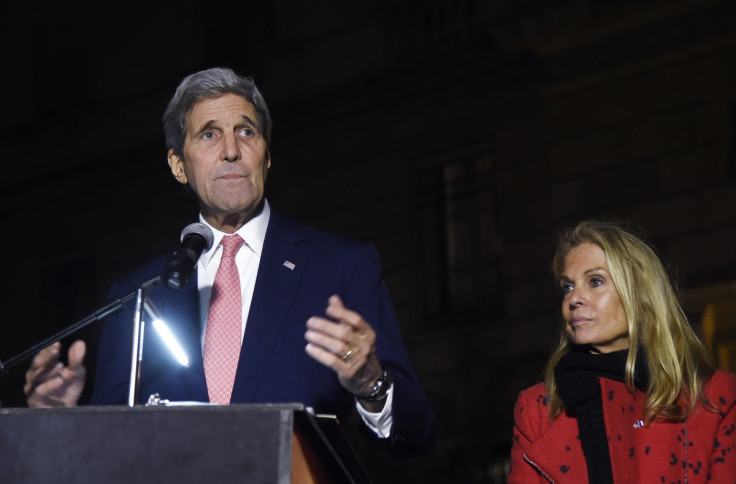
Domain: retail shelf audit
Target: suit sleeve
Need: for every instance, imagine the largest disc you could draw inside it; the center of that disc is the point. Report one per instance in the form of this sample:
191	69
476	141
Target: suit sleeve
413	425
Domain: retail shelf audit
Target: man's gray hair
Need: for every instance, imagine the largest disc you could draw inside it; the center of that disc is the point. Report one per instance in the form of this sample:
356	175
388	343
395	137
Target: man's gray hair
210	84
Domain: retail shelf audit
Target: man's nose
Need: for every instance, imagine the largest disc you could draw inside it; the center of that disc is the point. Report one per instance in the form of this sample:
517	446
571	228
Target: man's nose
230	149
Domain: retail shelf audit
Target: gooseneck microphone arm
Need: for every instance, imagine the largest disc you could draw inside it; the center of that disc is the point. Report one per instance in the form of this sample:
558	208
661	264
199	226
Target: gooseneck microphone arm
195	239
110	308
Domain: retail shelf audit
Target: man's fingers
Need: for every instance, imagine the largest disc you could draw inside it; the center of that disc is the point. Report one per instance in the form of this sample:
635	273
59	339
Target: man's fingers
335	301
51	385
48	374
322	355
344	369
38	376
344	343
327	341
337	310
46	355
76	355
349	340
329	328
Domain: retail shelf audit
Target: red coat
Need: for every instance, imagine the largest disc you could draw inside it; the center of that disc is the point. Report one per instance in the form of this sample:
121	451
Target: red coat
702	449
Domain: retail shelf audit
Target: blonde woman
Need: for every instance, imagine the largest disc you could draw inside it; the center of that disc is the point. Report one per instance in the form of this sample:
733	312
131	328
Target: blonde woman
630	394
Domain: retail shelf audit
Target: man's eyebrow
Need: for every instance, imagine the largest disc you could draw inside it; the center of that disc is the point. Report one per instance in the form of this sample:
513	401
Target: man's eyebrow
251	122
209	124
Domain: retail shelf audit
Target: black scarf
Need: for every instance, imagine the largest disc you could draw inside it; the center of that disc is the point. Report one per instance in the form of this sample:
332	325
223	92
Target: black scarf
576	375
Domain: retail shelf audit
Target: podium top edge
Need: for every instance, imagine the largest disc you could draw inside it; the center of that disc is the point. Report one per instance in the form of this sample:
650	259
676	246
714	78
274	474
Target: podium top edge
177	407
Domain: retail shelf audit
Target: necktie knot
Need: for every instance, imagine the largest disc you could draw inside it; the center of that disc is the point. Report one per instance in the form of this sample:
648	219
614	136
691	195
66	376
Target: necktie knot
231	244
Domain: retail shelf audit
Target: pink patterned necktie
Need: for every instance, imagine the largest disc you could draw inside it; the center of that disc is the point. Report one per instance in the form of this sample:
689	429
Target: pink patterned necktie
224	325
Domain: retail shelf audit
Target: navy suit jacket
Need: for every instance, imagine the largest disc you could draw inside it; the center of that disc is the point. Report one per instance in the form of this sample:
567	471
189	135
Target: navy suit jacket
273	365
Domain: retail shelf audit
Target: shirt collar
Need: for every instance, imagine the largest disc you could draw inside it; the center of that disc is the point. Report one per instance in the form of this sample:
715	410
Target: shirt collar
253	233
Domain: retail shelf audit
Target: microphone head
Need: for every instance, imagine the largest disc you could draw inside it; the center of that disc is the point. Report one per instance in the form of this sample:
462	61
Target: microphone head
181	265
200	229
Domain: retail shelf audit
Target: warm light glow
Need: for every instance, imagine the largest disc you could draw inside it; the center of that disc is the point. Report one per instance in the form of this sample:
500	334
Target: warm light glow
171	342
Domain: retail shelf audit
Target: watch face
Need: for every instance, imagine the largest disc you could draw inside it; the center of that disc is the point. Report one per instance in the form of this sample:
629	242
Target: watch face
380	388
380	383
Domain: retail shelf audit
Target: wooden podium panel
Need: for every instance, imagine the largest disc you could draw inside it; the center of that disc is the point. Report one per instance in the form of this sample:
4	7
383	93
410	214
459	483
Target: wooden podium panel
258	443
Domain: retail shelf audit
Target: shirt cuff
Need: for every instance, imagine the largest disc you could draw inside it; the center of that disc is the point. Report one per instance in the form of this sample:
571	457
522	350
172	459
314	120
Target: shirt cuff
380	422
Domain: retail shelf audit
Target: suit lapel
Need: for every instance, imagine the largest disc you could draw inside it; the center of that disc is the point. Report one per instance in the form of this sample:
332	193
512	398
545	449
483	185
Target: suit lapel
283	260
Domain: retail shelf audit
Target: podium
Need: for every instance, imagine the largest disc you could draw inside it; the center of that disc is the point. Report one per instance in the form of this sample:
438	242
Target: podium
254	443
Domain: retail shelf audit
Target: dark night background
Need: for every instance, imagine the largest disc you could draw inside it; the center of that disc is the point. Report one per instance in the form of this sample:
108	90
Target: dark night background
458	137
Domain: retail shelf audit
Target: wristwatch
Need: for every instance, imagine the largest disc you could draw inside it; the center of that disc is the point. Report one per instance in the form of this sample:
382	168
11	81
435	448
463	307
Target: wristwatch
380	388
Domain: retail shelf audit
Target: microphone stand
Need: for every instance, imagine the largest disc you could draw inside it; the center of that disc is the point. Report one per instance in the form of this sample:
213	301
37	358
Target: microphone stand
142	303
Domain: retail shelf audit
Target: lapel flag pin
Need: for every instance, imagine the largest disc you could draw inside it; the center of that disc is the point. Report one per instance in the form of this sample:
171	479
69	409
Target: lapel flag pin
289	265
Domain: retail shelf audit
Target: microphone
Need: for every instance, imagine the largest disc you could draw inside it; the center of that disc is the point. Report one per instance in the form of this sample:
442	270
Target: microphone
195	239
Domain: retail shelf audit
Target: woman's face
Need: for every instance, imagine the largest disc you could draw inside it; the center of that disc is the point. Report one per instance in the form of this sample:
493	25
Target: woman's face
591	307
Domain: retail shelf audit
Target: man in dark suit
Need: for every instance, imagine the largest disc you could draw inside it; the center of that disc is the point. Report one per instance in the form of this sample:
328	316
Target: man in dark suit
218	131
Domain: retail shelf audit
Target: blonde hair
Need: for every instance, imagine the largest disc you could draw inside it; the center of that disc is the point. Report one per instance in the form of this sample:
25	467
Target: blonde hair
678	363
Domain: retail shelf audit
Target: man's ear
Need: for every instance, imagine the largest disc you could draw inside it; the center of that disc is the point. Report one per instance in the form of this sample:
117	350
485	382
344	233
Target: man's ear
176	163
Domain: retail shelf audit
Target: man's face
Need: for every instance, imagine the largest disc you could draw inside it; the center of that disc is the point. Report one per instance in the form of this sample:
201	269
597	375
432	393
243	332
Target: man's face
225	160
